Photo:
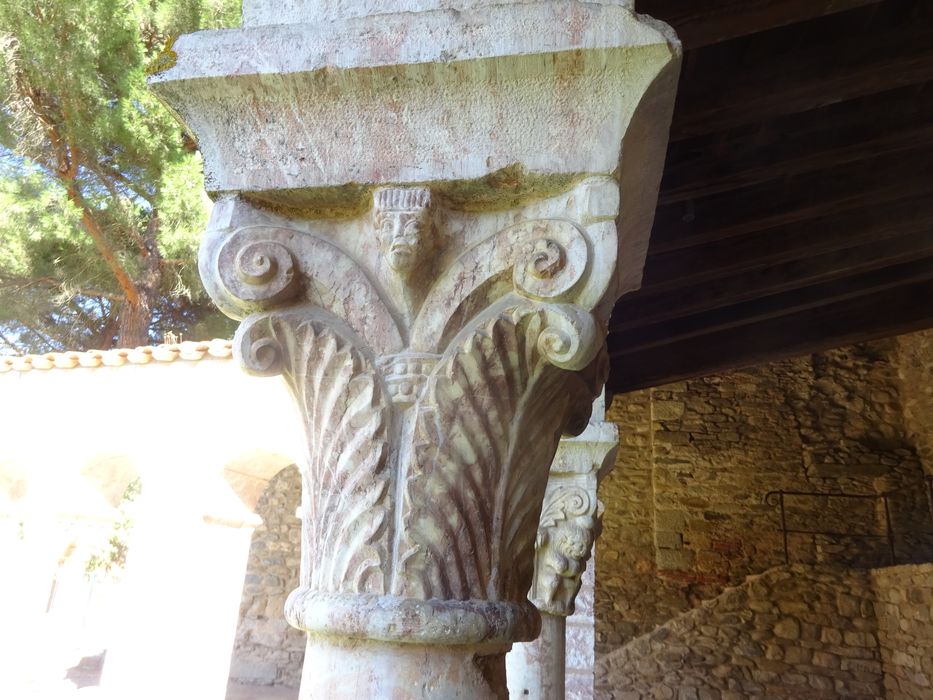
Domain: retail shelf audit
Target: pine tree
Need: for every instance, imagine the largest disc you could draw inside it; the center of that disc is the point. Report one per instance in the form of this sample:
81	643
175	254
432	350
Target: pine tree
101	196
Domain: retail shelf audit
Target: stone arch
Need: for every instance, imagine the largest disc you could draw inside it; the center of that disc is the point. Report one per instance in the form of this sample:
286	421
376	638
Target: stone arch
110	475
248	474
267	651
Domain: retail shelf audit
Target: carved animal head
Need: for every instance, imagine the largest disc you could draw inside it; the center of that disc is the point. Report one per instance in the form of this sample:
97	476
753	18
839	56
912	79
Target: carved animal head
572	541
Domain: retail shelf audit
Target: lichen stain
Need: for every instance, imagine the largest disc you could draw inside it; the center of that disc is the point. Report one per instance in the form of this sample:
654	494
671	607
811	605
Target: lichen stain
166	59
506	188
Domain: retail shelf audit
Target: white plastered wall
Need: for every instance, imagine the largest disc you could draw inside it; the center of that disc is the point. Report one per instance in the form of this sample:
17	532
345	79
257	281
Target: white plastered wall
204	439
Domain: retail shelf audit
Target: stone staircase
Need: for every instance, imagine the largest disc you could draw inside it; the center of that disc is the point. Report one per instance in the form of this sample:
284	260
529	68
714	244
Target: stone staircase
793	631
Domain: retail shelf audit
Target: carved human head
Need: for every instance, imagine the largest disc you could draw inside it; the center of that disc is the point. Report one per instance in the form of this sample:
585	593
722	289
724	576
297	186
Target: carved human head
403	222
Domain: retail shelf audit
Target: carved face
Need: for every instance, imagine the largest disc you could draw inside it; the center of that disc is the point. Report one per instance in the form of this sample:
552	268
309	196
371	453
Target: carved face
406	238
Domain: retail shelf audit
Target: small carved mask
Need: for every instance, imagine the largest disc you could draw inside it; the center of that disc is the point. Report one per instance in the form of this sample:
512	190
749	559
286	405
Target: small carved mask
403	224
404	239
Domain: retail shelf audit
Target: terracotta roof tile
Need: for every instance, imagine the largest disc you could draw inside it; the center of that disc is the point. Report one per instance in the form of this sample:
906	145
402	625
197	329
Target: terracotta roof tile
188	351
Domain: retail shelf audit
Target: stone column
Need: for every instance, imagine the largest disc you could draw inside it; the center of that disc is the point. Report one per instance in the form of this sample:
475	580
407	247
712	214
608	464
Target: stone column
424	216
568	525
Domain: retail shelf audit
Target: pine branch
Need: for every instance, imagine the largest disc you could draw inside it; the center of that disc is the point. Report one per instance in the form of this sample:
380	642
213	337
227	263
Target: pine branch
129	230
11	282
130	290
50	344
67	159
100	169
10	344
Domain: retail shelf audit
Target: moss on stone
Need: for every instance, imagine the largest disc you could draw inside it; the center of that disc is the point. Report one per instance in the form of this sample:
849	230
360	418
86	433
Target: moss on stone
165	60
508	187
505	188
336	202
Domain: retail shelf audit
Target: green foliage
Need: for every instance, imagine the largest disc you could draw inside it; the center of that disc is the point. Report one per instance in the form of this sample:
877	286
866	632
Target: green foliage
113	556
101	193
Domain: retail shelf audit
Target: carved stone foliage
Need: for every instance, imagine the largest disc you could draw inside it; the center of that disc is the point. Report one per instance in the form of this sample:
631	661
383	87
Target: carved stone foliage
436	357
345	505
492	418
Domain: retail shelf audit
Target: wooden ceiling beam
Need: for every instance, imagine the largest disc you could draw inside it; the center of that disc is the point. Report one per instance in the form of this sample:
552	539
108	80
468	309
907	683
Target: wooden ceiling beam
899	310
761	249
796	210
771	307
824	193
649	307
704	23
798	144
834	68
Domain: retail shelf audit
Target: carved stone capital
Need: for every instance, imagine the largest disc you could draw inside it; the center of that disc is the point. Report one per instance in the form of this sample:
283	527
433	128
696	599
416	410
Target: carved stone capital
432	417
570	521
424	215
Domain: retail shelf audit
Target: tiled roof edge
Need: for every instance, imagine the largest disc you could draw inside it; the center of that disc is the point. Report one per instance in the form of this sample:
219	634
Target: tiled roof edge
189	351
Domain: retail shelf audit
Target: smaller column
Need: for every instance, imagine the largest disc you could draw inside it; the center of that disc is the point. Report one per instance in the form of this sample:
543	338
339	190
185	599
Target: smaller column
568	526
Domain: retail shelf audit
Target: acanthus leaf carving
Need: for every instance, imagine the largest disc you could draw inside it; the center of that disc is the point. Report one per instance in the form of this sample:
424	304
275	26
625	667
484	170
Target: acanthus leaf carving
263	266
431	420
548	259
393	291
345	503
484	434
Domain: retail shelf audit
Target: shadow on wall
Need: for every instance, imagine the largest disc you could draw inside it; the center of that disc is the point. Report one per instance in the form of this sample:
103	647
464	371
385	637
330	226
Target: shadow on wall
268	651
814	632
685	510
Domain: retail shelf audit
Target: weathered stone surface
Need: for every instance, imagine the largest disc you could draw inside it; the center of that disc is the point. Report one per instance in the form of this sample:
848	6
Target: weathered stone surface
435	96
259	12
837	421
718	647
915	375
905	630
416	220
343	668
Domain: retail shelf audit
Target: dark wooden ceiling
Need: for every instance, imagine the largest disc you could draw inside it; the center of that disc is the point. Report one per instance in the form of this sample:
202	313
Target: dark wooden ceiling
796	208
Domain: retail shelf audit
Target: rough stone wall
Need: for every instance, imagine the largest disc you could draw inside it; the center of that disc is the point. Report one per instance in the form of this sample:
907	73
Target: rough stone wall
267	650
686	513
630	598
720	443
915	374
798	631
856	439
905	630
